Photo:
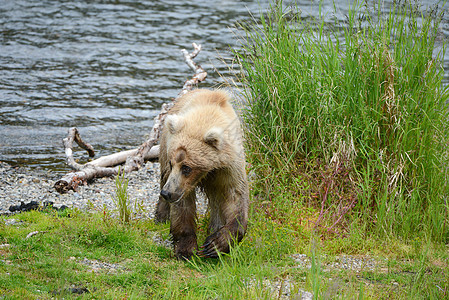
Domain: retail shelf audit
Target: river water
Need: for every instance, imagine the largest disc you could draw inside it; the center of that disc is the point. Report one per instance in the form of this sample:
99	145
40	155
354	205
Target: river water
107	66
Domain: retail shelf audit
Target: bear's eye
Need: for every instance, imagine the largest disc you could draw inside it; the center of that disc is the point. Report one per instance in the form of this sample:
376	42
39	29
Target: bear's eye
186	170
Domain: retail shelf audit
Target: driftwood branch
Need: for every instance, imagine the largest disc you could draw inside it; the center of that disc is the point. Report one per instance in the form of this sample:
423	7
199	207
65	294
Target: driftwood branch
200	74
74	136
133	159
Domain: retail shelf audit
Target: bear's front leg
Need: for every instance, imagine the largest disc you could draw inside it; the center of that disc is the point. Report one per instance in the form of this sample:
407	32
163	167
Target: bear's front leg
229	219
183	226
162	213
222	240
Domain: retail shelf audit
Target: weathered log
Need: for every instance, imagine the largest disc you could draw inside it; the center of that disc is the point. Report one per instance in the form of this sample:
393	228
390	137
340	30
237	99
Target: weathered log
133	159
120	157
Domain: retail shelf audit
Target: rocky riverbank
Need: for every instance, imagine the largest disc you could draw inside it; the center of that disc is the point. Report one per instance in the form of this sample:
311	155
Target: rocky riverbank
18	184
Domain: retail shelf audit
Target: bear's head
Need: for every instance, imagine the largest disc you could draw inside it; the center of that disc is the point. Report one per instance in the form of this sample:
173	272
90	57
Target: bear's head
194	149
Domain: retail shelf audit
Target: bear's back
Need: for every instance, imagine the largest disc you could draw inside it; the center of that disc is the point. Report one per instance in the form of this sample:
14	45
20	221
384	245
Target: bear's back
204	98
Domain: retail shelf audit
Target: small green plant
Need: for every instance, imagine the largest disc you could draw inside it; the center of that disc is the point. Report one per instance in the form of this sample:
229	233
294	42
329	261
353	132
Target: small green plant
121	198
315	270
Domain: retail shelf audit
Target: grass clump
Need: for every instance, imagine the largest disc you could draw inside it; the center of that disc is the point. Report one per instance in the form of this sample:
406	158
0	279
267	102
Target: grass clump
361	117
121	197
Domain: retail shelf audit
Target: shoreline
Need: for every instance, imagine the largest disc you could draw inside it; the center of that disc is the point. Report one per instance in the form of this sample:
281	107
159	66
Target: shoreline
30	184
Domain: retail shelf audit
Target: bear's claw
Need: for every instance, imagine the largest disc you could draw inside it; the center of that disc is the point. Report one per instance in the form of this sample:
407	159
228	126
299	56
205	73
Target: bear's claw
214	243
208	250
206	244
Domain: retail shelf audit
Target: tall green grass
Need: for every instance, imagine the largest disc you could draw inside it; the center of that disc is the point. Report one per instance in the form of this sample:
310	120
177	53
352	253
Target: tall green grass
121	198
357	110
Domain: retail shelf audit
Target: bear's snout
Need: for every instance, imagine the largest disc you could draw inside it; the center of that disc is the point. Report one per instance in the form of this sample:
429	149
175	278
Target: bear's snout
171	196
166	195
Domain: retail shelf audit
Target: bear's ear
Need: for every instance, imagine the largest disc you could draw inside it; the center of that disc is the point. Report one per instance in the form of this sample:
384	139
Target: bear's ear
214	137
221	98
174	123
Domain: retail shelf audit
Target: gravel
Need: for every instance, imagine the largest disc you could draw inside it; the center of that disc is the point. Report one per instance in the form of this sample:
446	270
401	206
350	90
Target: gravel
19	184
96	266
342	262
287	288
280	289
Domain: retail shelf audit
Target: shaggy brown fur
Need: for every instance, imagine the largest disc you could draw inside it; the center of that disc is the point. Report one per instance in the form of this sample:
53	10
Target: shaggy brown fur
201	146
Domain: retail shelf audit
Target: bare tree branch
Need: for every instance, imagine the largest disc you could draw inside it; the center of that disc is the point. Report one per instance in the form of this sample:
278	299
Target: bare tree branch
133	159
200	74
74	136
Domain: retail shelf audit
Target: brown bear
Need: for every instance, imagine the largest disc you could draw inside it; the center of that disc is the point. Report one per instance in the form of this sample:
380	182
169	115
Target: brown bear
201	146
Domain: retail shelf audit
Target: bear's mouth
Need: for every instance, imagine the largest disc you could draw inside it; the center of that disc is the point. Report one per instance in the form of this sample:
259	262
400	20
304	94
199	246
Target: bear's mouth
179	199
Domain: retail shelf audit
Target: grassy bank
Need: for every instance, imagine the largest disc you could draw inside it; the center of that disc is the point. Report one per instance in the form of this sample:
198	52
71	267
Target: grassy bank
352	116
95	256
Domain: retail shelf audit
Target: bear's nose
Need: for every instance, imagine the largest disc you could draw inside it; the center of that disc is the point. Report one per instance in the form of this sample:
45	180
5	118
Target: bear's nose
166	195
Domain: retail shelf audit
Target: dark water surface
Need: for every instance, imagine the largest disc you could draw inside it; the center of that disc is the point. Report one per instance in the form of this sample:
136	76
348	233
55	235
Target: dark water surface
106	67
